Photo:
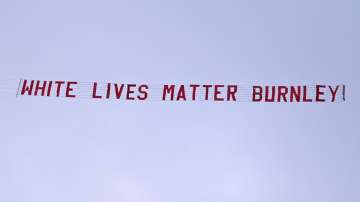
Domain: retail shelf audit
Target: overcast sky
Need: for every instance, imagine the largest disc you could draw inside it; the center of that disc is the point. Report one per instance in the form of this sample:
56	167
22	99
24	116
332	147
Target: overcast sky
84	150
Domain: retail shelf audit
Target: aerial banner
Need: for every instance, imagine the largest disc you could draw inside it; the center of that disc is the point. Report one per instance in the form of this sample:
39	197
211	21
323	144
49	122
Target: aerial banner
176	92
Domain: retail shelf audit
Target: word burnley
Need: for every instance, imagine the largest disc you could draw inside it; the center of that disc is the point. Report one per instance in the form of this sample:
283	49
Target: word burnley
180	92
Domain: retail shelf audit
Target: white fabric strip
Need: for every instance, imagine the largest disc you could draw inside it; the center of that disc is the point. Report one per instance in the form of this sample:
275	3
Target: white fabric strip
190	92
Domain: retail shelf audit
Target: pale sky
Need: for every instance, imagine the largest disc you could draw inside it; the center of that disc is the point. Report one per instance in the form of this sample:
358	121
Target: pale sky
54	149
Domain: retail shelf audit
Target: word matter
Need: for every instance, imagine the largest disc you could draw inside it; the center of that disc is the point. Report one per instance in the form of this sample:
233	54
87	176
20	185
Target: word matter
181	92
